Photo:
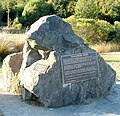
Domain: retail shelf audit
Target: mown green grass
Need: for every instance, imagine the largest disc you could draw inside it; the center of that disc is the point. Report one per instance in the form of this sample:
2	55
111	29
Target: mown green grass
114	61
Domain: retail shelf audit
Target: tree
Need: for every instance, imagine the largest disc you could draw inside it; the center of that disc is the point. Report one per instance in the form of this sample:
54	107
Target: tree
71	7
115	11
87	9
19	7
8	13
35	9
7	5
106	12
10	9
1	14
64	8
60	7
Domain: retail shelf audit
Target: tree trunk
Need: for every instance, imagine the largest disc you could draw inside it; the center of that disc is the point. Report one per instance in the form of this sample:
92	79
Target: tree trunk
8	14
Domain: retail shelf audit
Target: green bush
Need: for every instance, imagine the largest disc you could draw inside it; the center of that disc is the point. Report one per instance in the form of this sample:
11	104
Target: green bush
91	30
87	9
117	24
114	36
16	24
108	10
115	11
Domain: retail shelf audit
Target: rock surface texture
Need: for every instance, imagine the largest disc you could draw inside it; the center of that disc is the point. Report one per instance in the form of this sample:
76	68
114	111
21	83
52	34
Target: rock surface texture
10	68
47	40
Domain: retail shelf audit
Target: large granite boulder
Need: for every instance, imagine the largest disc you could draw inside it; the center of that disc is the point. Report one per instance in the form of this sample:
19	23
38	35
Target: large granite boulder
10	69
48	40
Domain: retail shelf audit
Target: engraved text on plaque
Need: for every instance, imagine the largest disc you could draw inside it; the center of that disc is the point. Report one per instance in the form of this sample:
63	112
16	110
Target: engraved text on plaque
79	67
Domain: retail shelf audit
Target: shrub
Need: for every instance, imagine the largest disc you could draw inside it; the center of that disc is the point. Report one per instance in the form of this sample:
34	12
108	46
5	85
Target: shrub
87	9
91	30
114	36
16	24
117	24
115	10
107	11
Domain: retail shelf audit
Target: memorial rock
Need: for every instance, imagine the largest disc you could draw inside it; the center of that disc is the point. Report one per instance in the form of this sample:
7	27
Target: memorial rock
59	69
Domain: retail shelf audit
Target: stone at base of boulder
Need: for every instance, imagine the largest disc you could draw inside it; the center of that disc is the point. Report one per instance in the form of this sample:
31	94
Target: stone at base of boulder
10	69
30	98
26	95
1	113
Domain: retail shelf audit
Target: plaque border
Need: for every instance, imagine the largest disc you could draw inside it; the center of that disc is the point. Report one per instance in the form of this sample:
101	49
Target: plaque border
46	67
98	70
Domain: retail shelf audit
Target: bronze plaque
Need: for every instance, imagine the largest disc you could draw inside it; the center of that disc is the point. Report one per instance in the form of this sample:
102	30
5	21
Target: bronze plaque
40	68
79	67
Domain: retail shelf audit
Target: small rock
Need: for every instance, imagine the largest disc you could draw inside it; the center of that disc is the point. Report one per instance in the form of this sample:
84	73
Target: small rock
10	69
1	113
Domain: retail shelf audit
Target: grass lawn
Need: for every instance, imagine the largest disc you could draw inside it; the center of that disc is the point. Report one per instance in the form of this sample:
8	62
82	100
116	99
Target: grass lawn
113	59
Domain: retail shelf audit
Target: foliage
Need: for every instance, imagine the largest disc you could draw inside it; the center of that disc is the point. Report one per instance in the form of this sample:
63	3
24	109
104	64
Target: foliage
115	11
16	24
1	14
106	9
12	8
35	9
7	3
61	7
94	31
86	9
117	24
64	8
115	34
29	11
71	7
17	10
